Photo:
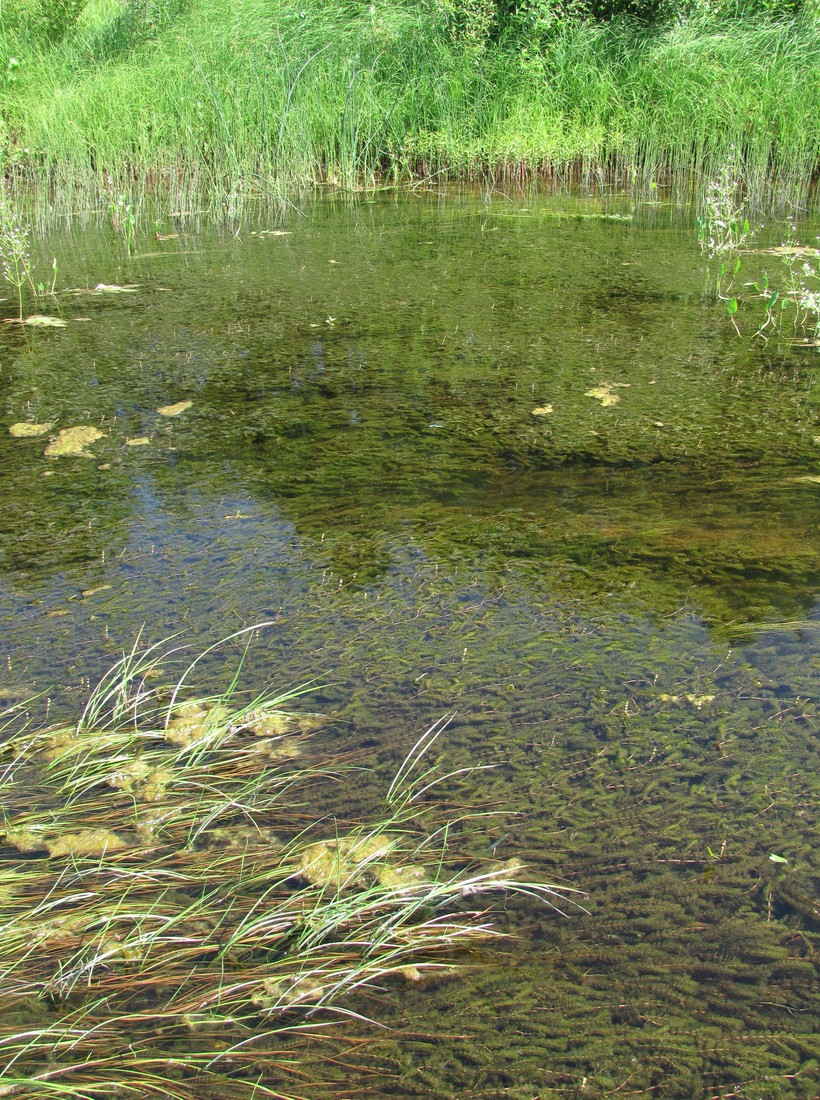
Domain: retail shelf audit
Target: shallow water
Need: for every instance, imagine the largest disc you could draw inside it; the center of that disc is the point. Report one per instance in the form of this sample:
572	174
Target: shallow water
392	457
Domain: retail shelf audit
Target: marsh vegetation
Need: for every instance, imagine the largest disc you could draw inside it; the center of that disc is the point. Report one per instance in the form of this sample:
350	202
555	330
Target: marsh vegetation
179	912
215	102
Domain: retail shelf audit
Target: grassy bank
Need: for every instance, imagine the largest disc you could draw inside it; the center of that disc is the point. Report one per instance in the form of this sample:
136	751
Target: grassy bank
177	917
263	96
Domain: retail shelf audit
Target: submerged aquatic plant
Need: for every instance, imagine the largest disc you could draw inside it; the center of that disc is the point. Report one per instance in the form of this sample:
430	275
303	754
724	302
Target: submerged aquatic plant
171	919
123	217
723	229
15	254
797	301
15	250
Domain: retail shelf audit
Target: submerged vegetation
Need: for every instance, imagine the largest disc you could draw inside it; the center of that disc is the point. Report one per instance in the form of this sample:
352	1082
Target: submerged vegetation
176	913
790	303
104	100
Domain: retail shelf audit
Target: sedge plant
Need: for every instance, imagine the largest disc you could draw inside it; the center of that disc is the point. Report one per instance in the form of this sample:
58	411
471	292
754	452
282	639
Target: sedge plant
174	917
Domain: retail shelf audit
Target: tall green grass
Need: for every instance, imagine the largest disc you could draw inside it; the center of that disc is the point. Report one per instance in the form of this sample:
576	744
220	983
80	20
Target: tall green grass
261	95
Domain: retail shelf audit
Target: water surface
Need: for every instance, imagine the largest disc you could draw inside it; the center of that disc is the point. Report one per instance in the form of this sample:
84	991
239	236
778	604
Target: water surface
400	454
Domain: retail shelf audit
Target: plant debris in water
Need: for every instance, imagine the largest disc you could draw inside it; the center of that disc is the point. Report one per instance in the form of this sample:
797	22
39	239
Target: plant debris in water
159	877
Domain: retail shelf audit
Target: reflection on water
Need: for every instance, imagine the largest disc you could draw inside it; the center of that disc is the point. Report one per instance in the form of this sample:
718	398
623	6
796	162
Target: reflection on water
393	456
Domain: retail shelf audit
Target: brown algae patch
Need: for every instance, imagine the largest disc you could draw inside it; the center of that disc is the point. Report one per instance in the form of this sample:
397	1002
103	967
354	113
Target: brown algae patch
174	410
86	592
72	442
28	431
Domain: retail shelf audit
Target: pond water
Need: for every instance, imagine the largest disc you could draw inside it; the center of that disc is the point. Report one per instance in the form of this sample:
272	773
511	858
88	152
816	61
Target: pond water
495	459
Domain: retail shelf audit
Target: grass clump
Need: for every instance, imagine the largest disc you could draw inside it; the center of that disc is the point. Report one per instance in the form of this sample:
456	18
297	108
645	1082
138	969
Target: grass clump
173	919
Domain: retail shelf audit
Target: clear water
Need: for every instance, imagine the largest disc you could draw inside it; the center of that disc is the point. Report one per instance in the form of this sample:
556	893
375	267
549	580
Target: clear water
393	458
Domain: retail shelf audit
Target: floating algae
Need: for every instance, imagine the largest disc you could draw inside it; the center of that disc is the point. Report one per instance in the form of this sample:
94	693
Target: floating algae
343	860
39	320
86	842
265	722
193	721
281	993
59	742
359	859
280	749
130	776
72	442
174	410
25	840
604	394
25	430
132	933
697	701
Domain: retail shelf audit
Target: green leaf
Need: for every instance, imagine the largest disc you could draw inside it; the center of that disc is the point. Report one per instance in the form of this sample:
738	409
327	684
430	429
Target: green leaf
731	306
774	296
777	859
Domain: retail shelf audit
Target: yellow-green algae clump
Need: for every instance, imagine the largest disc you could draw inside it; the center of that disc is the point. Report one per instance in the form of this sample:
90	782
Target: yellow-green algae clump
25	430
72	442
343	861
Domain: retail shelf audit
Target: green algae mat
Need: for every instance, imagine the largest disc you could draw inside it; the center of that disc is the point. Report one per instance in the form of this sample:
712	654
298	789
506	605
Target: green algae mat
499	461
